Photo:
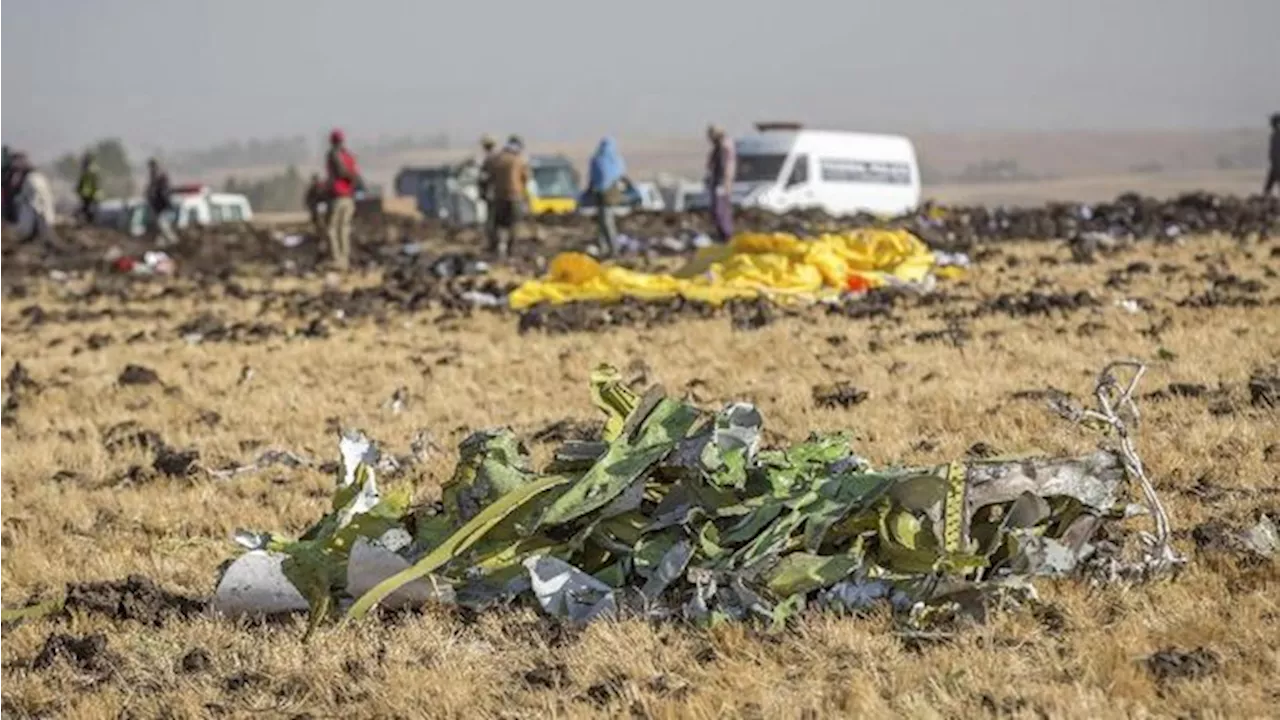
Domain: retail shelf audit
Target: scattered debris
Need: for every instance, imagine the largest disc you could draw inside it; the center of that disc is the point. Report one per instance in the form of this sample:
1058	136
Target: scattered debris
1174	664
398	400
1264	389
1261	539
981	451
176	463
673	512
265	459
129	435
841	394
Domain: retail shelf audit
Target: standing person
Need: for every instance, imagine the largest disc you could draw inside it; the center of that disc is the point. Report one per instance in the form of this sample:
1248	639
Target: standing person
33	200
721	164
343	176
314	198
509	178
484	183
89	188
604	183
7	214
1273	176
160	202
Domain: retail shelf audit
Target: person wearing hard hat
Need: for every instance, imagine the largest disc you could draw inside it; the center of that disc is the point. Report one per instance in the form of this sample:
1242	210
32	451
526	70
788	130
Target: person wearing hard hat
1273	176
720	169
343	177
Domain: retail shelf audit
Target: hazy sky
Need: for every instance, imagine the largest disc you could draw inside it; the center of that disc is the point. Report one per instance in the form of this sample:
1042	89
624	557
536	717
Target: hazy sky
189	74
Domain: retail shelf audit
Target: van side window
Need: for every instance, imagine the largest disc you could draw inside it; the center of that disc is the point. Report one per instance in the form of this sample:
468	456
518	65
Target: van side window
799	171
233	213
863	171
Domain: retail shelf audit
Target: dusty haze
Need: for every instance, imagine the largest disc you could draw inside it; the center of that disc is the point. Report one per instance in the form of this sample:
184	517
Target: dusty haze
177	75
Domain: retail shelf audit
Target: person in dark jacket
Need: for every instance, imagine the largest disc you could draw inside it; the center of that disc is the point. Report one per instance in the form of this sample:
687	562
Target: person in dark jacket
721	165
315	197
484	182
160	202
9	183
1273	176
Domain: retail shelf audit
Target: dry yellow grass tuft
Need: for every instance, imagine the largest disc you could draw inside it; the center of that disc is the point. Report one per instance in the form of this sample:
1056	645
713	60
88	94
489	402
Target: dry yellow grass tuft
73	513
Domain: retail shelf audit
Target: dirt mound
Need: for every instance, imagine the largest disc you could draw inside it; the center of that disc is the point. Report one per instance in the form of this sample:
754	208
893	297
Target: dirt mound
134	598
87	654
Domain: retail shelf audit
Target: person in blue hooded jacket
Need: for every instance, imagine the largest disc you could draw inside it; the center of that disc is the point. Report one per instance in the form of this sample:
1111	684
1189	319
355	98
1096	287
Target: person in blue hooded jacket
604	183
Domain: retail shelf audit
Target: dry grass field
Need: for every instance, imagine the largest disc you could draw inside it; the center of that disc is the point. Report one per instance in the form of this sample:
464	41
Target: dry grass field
941	378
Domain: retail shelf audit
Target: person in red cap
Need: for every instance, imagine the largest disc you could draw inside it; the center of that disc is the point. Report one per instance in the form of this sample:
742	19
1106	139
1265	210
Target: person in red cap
343	177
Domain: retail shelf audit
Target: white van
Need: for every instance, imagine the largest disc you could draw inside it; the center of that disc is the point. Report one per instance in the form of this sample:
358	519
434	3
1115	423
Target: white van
784	167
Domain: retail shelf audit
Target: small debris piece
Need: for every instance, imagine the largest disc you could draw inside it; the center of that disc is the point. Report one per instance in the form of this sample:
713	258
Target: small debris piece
176	463
19	380
981	451
1264	389
129	435
138	375
195	661
1174	664
841	394
550	677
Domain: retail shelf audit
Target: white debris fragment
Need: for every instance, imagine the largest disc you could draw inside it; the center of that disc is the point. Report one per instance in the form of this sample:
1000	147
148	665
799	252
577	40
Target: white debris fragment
565	591
255	584
370	563
1262	537
251	540
355	447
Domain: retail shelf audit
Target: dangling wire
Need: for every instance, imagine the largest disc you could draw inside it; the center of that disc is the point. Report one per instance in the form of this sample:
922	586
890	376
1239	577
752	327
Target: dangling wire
1118	411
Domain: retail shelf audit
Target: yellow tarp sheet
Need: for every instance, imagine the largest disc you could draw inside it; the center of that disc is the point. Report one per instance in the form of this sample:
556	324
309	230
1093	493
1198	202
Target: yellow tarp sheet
776	265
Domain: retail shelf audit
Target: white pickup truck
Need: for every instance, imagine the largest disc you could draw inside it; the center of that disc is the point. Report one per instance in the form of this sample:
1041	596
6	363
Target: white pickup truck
192	205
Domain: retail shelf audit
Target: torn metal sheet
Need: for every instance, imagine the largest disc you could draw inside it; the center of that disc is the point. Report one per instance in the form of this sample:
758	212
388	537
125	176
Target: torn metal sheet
677	512
567	592
1262	537
371	563
255	584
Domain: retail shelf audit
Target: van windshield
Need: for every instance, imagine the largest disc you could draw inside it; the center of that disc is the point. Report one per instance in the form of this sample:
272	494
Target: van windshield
555	181
759	168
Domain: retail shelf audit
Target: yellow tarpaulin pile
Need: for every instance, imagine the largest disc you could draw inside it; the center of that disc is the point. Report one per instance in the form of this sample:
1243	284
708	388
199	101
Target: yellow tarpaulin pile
776	265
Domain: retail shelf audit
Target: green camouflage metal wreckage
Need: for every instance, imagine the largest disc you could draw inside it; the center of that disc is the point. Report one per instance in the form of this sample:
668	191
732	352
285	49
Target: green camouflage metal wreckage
680	513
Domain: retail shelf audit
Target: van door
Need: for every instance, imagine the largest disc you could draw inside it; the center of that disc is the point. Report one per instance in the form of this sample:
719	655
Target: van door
797	190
